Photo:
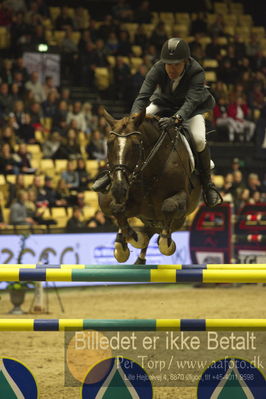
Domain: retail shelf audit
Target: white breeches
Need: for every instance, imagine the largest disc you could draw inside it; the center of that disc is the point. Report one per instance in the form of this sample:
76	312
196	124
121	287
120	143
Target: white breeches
195	125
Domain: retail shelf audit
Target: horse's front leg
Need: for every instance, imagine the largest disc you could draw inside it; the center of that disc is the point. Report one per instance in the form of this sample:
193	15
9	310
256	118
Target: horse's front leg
173	208
137	239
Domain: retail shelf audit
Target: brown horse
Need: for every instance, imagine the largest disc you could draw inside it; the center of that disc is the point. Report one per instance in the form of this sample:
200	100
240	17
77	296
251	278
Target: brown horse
151	179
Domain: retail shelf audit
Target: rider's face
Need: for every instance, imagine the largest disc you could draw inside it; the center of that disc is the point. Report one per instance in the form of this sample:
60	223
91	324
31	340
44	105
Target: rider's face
175	70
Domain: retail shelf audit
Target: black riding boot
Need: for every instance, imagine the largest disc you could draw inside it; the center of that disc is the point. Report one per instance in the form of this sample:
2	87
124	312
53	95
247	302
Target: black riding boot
101	183
210	194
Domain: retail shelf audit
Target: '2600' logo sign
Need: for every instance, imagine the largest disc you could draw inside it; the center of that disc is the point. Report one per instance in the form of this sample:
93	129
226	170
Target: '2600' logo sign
8	256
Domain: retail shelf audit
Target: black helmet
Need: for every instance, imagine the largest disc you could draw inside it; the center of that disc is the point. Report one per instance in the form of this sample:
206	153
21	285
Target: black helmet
175	50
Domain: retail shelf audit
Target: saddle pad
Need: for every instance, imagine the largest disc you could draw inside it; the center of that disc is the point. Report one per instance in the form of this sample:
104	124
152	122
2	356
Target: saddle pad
191	157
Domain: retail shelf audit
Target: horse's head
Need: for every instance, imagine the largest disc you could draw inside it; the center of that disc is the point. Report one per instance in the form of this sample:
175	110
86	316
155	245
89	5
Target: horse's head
125	151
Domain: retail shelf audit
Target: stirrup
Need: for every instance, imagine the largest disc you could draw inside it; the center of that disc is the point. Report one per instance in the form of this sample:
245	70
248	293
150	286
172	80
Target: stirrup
211	186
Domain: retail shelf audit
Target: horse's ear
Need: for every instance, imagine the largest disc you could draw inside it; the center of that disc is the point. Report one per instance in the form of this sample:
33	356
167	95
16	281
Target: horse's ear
109	118
139	118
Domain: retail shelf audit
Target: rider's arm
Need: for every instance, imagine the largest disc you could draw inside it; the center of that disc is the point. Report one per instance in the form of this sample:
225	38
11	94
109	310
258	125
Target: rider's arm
194	95
146	90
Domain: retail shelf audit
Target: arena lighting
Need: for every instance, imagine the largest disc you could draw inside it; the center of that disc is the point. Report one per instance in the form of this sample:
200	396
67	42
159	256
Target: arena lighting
42	48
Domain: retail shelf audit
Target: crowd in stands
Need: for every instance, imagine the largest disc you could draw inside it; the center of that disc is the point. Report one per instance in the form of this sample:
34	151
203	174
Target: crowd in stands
51	146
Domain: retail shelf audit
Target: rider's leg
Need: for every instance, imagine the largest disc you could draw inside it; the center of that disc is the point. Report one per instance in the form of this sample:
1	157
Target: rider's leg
197	128
101	183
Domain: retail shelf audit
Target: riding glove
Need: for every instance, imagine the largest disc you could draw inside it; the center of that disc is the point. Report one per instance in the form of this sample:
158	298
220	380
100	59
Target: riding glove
166	123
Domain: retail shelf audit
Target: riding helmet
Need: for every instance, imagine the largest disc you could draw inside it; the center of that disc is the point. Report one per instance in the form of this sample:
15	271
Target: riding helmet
175	50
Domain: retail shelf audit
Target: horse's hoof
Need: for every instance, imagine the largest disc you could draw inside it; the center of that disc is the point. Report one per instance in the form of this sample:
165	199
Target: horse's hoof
141	242
140	261
164	246
121	253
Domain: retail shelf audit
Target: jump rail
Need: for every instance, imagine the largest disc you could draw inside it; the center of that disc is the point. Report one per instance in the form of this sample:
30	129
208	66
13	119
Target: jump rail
261	266
133	325
127	275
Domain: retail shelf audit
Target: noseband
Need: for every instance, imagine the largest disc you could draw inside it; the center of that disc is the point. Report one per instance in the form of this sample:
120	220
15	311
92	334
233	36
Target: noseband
131	175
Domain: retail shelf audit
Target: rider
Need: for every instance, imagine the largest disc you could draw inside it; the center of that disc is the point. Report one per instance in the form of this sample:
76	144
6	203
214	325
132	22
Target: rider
175	85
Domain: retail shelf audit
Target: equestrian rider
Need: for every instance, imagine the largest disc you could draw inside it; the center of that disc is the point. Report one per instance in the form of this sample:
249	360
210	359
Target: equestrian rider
175	86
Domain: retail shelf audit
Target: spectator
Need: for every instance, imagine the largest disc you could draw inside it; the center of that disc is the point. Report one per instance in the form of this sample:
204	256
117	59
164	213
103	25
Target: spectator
137	79
121	78
62	193
51	145
90	120
217	27
199	24
99	56
75	222
226	72
6	73
213	49
222	120
142	14
63	20
8	164
158	36
239	112
71	176
78	116
238	184
112	44
5	15
36	213
49	106
80	20
83	175
242	198
36	88
18	210
122	11
253	183
50	192
60	117
23	159
196	48
70	148
5	100
36	114
19	33
49	86
19	67
141	38
84	39
38	35
13	189
68	45
37	186
26	130
97	147
261	134
8	137
98	220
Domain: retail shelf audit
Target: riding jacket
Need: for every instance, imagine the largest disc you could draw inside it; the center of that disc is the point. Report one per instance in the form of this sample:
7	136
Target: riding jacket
189	98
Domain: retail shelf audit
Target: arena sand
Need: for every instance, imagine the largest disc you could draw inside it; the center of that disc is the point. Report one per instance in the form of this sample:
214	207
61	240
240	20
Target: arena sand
43	352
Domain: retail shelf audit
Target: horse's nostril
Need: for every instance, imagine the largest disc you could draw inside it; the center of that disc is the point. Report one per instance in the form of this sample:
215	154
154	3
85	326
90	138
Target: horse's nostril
119	191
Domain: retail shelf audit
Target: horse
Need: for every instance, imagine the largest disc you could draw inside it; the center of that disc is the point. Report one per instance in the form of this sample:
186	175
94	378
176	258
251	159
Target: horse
152	179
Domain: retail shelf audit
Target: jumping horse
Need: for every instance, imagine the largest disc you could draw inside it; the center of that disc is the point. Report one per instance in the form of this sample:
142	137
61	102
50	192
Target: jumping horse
152	179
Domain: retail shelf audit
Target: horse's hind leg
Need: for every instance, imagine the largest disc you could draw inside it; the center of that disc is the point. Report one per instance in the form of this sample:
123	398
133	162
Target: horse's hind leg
141	260
173	207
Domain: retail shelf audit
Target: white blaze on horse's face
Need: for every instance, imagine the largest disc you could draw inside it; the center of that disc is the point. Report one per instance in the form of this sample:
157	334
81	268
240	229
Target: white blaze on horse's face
121	148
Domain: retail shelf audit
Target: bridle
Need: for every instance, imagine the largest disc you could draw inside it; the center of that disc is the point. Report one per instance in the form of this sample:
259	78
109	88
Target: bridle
133	175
